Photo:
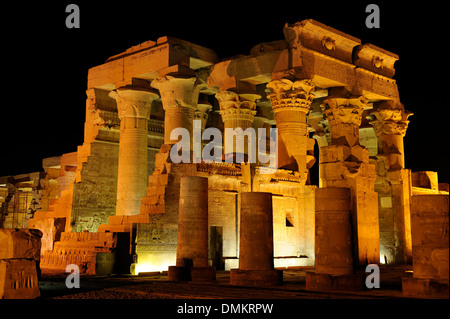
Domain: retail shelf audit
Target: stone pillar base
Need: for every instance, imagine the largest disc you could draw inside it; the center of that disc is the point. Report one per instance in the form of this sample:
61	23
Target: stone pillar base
179	273
256	277
18	279
353	282
425	288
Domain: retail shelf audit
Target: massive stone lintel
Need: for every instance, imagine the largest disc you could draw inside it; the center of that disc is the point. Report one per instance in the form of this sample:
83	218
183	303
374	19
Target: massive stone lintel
144	61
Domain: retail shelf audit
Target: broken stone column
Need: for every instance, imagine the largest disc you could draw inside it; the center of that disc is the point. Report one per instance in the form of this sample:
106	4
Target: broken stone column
133	105
430	247
390	122
345	163
192	242
334	267
19	263
237	111
291	102
256	267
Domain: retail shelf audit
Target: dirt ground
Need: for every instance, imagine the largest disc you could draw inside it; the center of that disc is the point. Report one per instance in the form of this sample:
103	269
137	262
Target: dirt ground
156	286
152	295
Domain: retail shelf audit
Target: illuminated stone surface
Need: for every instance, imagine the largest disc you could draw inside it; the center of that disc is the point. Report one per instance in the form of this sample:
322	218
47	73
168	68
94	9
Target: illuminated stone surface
430	250
317	83
192	242
134	106
334	267
19	263
256	242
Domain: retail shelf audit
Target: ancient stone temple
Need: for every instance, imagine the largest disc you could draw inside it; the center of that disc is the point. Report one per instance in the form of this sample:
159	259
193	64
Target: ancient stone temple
114	204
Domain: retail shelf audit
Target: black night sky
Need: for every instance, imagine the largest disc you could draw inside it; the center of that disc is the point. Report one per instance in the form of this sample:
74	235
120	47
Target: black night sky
45	64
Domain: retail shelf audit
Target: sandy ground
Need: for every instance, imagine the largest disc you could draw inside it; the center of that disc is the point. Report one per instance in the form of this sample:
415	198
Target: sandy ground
156	286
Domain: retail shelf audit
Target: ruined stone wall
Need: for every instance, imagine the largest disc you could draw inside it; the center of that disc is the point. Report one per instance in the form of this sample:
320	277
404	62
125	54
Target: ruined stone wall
293	217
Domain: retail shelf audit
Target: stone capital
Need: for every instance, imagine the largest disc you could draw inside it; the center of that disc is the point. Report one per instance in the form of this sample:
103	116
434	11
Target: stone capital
239	115
291	95
389	121
133	102
344	114
230	99
178	91
344	109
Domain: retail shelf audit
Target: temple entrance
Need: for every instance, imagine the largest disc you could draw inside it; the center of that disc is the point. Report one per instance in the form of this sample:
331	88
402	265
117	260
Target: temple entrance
216	247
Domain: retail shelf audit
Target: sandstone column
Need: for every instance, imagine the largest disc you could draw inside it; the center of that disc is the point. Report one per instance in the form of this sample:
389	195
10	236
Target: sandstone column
345	163
133	106
390	122
179	97
256	242
334	267
291	102
429	219
192	242
237	111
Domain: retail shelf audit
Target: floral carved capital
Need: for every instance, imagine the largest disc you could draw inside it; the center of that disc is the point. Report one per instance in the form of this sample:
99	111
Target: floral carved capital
287	94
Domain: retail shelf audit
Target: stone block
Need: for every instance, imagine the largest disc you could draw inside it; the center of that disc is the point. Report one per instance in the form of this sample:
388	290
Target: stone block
245	277
196	274
18	279
425	179
430	241
321	38
375	59
425	288
16	243
352	282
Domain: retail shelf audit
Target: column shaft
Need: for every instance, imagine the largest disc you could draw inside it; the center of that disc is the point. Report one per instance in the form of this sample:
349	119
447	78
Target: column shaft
133	106
256	242
192	243
256	232
333	236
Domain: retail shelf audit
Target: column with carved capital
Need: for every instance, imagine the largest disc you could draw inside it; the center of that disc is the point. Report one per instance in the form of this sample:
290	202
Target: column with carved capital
179	97
291	101
345	163
134	105
390	122
237	111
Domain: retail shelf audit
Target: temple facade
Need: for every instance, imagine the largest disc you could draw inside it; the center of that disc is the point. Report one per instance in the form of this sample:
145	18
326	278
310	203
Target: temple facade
114	204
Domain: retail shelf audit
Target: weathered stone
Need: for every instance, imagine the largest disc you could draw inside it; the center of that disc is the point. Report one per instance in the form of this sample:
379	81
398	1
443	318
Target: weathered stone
18	279
256	242
430	248
20	244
